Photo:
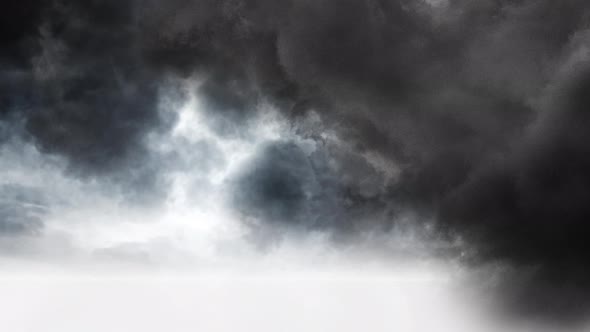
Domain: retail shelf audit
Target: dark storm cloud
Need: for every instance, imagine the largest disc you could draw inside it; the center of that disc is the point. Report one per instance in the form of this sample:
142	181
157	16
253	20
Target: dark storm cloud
541	190
290	187
18	24
275	187
532	208
94	97
480	105
75	85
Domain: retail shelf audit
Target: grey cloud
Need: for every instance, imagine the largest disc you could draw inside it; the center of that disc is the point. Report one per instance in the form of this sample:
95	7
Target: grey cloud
21	210
472	101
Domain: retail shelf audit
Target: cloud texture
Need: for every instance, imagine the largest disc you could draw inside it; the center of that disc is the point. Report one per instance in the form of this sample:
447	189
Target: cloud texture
469	115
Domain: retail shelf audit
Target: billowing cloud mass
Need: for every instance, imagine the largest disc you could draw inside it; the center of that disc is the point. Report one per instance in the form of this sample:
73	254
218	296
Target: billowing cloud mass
464	119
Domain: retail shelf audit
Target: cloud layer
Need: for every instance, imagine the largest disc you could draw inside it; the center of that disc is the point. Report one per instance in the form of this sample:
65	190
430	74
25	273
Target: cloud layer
469	116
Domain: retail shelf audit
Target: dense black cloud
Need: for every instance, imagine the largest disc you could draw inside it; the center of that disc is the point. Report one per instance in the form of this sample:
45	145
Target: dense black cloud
532	208
475	110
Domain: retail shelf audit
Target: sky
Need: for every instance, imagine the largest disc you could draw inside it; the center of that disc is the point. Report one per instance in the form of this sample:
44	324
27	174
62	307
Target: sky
324	165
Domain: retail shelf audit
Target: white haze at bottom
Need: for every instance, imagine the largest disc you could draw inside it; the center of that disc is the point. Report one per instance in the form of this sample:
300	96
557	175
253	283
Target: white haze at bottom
297	300
276	302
